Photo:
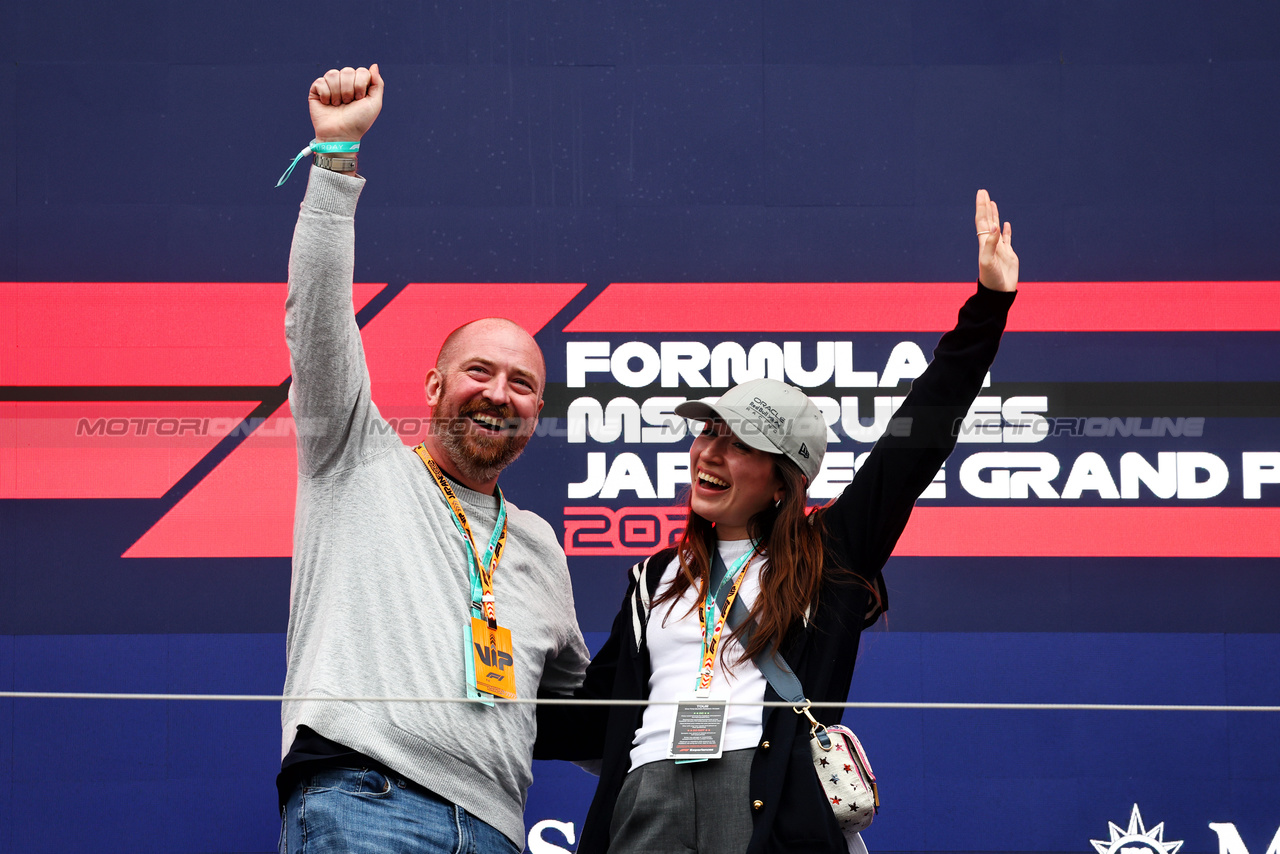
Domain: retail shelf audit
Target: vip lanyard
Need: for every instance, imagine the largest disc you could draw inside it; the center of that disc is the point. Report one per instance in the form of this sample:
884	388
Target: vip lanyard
712	622
482	600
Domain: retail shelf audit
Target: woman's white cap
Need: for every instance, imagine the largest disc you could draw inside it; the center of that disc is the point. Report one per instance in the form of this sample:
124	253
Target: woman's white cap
771	416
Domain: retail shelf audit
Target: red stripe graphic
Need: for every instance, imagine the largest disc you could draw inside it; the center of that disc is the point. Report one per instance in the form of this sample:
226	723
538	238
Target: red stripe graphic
145	333
929	307
131	334
1092	532
107	449
985	531
244	508
154	334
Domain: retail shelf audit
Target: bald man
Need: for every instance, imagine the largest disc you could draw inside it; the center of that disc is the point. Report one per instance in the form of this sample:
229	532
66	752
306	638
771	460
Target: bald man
412	575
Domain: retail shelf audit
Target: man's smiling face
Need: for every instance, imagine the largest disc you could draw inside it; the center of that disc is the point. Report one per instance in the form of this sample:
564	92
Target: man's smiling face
485	395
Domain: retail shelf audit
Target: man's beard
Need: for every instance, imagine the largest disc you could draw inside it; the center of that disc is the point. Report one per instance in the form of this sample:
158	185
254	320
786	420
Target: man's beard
478	456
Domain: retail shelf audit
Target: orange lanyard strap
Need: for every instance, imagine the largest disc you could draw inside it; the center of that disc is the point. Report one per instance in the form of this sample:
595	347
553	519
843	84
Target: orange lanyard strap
708	616
482	599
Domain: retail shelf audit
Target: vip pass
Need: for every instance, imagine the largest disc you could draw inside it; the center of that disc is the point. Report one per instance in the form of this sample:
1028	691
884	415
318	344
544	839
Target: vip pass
318	147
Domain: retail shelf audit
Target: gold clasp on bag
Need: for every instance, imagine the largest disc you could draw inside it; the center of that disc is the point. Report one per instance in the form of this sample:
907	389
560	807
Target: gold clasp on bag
816	730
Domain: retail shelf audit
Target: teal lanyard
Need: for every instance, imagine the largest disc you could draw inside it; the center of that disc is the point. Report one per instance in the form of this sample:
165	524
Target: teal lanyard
499	527
482	599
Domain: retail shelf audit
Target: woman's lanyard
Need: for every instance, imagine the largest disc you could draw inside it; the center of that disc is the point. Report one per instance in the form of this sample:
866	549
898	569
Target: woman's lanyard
488	648
712	623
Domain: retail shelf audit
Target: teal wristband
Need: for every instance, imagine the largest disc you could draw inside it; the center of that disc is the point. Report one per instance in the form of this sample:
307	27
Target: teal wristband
318	147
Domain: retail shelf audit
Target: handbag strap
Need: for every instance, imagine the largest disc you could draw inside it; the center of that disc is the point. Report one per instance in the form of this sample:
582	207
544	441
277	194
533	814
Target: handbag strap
774	667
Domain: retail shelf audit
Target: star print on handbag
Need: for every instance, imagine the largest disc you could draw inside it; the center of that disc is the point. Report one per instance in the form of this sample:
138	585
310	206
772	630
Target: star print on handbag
856	787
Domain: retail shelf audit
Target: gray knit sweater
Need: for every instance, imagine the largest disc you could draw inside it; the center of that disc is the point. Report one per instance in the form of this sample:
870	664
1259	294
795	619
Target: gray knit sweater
380	597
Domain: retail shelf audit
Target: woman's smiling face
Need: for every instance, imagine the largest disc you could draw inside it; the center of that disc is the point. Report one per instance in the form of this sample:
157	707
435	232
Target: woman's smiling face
731	480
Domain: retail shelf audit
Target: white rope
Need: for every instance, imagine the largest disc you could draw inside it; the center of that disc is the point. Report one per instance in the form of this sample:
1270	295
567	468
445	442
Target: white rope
272	698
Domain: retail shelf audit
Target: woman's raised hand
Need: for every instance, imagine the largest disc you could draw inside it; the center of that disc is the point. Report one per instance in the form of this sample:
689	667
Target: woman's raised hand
997	263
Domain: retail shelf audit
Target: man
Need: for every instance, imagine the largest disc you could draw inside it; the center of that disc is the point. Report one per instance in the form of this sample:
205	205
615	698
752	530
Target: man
395	592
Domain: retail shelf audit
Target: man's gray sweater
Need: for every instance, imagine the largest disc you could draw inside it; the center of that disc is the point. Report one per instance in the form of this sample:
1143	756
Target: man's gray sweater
380	601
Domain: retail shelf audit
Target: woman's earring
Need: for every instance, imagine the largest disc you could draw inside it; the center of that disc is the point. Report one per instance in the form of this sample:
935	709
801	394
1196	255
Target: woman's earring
777	503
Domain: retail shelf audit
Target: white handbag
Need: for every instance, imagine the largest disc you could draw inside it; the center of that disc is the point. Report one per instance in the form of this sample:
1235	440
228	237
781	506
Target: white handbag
845	775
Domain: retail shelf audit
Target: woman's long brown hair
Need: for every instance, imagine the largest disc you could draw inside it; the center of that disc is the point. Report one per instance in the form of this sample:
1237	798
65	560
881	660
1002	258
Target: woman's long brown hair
790	537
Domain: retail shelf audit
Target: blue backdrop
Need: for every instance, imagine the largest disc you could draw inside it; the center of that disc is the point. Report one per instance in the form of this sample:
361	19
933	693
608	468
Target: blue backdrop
544	141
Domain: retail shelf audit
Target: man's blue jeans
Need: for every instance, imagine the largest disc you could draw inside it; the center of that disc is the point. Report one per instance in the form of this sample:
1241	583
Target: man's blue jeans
363	811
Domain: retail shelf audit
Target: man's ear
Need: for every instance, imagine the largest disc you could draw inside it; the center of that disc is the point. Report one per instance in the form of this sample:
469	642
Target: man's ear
433	387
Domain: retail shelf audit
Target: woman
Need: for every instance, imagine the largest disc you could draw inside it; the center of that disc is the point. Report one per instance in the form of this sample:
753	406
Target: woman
811	584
